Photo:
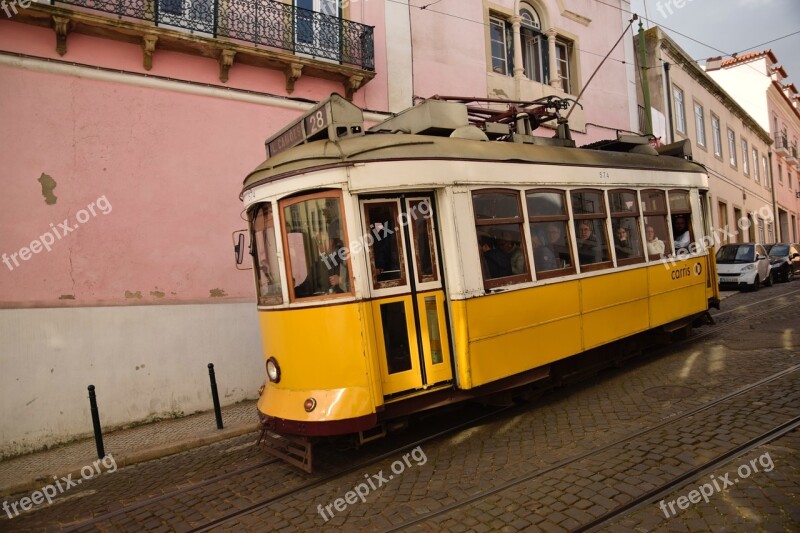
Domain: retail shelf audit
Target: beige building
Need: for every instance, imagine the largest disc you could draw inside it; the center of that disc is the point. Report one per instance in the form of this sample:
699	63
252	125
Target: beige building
758	83
688	104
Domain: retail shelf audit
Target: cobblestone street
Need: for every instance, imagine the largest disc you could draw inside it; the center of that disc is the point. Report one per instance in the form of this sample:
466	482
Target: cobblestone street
556	463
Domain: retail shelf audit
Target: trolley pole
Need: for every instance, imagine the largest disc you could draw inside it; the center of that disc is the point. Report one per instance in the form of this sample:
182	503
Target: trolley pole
98	432
215	395
648	117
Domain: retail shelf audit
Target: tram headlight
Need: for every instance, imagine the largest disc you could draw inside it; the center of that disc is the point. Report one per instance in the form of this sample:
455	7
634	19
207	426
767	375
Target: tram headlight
273	370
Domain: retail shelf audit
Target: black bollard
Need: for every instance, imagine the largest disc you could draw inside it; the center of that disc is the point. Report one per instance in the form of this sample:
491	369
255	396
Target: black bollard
98	433
215	395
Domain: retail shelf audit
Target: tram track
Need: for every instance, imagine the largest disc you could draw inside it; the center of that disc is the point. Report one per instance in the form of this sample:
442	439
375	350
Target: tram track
708	332
605	447
265	502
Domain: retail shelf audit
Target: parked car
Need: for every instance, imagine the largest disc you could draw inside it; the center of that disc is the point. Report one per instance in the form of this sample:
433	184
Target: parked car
743	265
785	260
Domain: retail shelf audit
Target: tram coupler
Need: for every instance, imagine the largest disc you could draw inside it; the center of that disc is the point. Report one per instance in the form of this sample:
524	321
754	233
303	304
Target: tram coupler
297	451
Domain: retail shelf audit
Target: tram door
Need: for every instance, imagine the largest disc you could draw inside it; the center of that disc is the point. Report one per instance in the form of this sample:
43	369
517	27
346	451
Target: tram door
408	303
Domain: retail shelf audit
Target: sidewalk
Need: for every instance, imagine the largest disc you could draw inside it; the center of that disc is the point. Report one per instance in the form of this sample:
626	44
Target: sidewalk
127	446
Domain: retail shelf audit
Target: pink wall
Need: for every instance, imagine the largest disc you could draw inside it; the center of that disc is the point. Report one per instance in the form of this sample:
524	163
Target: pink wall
169	164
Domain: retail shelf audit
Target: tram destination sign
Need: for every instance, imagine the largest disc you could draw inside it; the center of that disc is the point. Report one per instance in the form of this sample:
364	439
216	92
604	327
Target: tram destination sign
332	119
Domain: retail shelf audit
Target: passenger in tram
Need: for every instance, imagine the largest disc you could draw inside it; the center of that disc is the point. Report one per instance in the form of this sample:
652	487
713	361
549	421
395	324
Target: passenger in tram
338	275
655	246
622	243
680	231
556	243
543	256
510	246
495	263
589	250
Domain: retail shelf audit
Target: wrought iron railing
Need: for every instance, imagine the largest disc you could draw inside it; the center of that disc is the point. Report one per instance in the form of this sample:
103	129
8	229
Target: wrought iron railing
781	141
261	22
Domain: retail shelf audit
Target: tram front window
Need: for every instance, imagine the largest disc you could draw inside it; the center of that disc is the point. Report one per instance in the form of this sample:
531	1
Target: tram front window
318	257
265	255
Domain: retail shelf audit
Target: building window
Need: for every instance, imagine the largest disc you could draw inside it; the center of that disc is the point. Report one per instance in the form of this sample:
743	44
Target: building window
534	45
765	171
737	216
700	124
500	46
745	157
563	50
717	135
732	146
680	110
755	166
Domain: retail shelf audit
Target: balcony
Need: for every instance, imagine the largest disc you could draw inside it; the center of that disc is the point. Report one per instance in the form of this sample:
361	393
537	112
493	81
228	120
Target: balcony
792	158
781	145
266	33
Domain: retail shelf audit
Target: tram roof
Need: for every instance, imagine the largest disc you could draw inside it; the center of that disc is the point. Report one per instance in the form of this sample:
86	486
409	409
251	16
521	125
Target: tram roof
399	147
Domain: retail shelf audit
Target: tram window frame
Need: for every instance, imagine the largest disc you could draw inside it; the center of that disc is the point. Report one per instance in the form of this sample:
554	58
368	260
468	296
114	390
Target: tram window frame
287	203
634	214
268	265
685	212
519	220
563	220
661	215
596	219
395	233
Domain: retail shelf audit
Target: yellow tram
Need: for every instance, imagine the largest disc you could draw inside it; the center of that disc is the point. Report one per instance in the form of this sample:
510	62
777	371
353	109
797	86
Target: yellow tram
447	253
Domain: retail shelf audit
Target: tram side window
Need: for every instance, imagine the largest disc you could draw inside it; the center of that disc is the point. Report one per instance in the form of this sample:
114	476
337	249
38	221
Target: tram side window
654	208
498	222
625	227
386	251
589	211
318	257
265	255
548	219
681	215
422	234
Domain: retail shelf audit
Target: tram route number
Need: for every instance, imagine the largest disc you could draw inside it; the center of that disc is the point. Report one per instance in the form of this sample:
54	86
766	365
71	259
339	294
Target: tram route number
316	122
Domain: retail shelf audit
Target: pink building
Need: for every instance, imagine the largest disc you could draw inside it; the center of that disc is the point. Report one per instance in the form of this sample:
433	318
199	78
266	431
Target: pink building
128	127
758	82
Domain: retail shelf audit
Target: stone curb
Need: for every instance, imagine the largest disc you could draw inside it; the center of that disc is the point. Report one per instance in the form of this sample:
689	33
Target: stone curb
36	482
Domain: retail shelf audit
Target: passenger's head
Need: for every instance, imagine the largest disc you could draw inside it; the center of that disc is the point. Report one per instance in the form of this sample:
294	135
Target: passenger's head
485	243
622	233
584	230
650	232
553	233
680	223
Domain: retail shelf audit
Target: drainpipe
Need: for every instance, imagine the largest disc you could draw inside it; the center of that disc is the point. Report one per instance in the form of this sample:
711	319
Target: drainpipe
669	102
775	219
648	118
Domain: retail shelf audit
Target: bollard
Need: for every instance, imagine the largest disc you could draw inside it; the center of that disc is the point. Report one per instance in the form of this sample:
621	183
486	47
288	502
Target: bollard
215	395
98	433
